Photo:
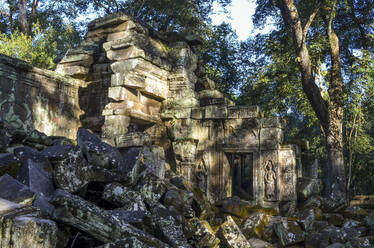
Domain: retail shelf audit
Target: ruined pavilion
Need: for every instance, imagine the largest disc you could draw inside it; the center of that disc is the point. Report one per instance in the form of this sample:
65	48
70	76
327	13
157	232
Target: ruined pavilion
136	87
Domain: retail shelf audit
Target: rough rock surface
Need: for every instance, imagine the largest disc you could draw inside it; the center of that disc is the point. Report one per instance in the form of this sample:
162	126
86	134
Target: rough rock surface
231	236
23	227
98	222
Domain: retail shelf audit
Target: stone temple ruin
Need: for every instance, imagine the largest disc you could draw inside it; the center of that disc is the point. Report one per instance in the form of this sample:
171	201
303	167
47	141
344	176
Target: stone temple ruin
135	87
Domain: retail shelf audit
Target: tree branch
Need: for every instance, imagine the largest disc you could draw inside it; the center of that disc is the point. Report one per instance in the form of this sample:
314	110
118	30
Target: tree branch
310	20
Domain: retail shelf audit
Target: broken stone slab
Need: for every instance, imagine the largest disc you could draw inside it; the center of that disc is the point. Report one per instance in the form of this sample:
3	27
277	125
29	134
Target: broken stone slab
74	172
169	226
151	188
314	201
319	225
361	242
306	219
307	187
254	225
316	240
335	203
38	180
22	227
352	223
181	200
57	152
258	243
289	233
140	219
131	242
99	153
334	219
123	197
231	236
203	234
355	212
99	223
25	153
108	21
4	141
336	245
235	206
9	164
8	206
335	234
13	190
74	71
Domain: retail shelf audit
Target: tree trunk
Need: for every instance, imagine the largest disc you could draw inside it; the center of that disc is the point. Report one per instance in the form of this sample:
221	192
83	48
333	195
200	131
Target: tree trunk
330	114
34	8
23	16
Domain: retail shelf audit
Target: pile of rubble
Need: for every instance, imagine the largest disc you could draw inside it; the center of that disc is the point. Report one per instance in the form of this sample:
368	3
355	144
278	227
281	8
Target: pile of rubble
56	192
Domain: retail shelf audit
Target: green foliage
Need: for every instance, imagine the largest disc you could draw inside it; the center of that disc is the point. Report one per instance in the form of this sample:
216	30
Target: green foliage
274	82
36	49
220	57
41	46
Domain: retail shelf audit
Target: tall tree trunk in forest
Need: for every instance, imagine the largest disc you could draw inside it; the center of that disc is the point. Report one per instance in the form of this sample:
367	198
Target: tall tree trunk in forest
329	113
23	16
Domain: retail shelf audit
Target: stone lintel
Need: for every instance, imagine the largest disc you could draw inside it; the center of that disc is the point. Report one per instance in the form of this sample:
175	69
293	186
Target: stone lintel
215	112
77	59
142	117
108	21
241	112
8	64
135	139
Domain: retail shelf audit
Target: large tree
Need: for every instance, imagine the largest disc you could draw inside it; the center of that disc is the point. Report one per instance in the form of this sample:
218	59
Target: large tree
329	110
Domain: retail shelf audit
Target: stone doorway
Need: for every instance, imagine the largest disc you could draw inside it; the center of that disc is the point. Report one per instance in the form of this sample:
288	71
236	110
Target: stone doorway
242	178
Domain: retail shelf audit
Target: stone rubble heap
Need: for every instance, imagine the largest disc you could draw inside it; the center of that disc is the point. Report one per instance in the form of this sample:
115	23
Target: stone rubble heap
56	192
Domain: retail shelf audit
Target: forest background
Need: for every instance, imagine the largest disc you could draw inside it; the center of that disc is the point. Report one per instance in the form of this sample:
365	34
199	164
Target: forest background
315	63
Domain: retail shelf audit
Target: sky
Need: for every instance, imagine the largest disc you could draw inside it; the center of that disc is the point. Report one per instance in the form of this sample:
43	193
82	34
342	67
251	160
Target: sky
239	15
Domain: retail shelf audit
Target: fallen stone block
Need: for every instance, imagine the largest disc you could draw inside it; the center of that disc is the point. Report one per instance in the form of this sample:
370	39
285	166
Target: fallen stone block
258	243
73	172
25	153
57	152
289	233
316	240
169	226
307	187
99	223
254	225
100	154
203	235
38	180
231	236
123	197
140	219
9	164
306	219
182	201
335	234
151	188
4	141
131	242
22	227
14	191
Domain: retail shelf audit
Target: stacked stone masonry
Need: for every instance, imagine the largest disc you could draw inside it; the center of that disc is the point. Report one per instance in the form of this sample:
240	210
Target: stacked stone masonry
135	87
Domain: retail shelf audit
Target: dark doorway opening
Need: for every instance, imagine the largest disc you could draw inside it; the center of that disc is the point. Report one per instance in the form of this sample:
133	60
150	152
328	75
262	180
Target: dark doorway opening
242	174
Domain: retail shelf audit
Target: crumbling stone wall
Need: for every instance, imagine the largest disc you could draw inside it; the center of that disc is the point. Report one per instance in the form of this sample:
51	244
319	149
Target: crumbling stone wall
141	88
32	98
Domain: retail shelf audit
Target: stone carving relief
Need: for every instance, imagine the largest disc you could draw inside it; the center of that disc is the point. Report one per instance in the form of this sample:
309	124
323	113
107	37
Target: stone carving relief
270	179
202	174
288	182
